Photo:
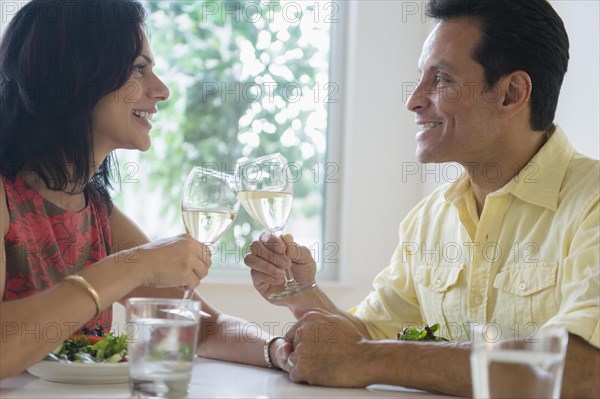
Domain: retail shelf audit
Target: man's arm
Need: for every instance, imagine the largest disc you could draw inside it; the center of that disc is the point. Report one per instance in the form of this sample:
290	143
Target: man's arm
269	259
582	369
330	351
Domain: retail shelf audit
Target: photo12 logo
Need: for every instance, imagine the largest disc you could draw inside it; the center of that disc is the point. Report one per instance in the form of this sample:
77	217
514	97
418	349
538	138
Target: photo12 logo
318	172
9	9
260	12
269	92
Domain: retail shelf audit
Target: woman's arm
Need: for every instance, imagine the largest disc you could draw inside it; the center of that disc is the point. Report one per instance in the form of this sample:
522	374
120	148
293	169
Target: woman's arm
33	326
127	235
222	336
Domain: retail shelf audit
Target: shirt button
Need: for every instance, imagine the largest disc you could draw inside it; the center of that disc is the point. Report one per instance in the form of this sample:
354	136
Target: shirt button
438	282
522	285
478	300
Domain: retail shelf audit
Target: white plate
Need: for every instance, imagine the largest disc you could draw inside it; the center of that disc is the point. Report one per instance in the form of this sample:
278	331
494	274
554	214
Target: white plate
81	373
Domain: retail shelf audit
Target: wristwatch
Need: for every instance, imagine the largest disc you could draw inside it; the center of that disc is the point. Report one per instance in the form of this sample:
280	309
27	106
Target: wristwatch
266	351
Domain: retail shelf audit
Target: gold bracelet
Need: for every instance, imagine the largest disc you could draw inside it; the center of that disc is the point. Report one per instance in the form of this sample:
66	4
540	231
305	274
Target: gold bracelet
89	289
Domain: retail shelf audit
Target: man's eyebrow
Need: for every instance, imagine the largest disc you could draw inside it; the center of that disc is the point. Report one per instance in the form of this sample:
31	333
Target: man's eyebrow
148	59
441	65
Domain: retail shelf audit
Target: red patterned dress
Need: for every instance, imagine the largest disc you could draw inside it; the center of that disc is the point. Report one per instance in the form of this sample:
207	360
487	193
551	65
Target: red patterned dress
46	243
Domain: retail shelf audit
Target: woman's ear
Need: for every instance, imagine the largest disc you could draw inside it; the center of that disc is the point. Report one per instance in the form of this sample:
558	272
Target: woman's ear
516	91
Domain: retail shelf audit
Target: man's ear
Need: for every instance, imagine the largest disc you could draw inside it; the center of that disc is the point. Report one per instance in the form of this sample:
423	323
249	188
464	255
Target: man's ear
516	92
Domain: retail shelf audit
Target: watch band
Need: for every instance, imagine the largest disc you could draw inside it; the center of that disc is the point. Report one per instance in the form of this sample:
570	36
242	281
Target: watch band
266	351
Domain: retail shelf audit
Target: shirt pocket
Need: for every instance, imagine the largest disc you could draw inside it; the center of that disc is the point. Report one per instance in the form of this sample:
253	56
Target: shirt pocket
440	293
526	293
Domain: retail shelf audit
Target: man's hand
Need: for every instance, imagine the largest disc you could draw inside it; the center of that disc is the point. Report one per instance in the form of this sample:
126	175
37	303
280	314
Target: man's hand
328	350
271	257
280	352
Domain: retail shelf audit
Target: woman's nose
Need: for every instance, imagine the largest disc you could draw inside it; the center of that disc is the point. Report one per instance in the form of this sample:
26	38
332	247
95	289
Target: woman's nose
159	90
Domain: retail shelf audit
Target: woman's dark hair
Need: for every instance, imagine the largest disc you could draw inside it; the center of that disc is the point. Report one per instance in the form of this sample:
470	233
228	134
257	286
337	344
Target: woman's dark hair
525	35
57	59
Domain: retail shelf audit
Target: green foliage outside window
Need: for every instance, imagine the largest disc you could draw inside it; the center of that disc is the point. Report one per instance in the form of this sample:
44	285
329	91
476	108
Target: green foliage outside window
246	79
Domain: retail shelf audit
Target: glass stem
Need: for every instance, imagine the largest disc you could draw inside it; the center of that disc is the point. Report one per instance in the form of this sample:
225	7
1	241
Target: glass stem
289	279
187	295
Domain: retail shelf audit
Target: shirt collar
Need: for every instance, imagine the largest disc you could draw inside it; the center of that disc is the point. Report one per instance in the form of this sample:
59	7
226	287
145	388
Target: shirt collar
539	181
458	188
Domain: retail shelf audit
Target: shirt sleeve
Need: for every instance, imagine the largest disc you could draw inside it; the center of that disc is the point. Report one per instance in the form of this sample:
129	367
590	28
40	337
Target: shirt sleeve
579	310
392	304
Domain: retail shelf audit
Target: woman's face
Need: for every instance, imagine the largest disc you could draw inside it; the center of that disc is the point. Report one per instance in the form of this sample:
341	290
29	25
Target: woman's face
121	119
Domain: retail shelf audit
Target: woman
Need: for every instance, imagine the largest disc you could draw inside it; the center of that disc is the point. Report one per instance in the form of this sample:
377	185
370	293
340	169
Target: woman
76	83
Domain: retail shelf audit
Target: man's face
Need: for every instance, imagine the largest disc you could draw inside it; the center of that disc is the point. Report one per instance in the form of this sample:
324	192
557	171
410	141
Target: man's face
455	115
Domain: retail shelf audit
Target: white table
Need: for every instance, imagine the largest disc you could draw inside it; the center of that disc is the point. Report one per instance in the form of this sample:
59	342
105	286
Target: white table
210	379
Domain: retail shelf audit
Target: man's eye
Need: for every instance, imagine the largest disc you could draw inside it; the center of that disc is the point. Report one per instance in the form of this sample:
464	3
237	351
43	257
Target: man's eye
439	79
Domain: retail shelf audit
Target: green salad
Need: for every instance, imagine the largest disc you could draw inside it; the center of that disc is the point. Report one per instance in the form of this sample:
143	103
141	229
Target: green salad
91	346
420	334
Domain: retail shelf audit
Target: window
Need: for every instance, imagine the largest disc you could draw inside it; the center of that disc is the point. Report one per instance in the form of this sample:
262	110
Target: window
247	78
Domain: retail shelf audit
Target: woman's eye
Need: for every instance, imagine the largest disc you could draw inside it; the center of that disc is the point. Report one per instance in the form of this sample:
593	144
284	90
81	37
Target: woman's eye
139	68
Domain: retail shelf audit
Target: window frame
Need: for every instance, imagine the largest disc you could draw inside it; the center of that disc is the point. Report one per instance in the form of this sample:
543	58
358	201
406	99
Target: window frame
327	252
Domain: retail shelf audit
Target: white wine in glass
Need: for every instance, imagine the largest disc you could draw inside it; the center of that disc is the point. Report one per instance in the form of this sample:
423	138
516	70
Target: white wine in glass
269	208
209	205
265	190
207	225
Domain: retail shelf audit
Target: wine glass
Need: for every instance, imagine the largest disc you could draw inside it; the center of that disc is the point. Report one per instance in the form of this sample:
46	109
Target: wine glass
209	205
265	190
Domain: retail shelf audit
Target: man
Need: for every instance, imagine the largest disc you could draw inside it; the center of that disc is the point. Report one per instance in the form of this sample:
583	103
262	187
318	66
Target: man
512	245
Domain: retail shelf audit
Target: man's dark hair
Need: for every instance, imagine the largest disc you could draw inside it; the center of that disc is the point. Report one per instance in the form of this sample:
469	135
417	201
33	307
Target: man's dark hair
525	35
57	59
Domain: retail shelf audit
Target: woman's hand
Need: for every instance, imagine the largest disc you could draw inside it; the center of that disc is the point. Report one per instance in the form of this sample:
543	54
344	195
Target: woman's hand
280	352
179	261
270	258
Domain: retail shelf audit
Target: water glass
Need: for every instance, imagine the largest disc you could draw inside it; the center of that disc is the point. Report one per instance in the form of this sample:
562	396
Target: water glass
520	368
162	346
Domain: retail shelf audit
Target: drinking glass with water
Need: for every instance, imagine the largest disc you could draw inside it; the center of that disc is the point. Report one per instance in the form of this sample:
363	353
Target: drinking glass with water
162	346
529	367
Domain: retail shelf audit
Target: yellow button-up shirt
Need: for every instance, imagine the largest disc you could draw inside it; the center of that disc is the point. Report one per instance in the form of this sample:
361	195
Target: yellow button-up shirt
531	260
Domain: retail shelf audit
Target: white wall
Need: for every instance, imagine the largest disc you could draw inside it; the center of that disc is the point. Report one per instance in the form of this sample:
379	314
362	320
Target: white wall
579	103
